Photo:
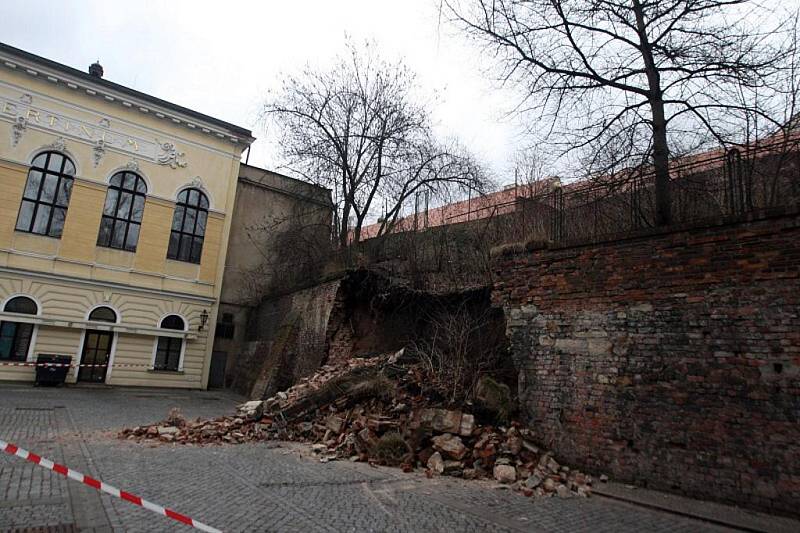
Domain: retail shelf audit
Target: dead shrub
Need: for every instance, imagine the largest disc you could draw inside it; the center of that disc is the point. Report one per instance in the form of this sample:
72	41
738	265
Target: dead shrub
507	249
461	346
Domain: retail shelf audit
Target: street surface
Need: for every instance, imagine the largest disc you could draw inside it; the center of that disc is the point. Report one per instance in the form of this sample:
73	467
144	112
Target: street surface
252	487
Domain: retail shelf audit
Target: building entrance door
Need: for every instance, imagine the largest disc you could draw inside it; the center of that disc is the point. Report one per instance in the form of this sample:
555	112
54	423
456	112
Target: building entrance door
96	352
216	376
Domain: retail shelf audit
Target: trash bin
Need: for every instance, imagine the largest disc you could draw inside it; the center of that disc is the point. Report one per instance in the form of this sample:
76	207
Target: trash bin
52	375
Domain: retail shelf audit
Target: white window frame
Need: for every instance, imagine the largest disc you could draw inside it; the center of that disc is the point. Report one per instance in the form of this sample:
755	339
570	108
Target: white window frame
31	347
184	340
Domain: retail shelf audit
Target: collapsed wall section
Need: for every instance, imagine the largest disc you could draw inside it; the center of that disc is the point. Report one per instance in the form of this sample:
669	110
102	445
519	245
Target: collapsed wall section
372	315
671	360
286	340
364	314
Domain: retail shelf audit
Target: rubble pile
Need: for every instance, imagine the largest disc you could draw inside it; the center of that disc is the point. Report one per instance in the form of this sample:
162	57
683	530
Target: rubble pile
378	410
248	424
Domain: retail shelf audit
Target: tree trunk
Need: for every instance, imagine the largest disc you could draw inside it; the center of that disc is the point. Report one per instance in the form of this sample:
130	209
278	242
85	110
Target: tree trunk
660	144
661	164
343	226
357	230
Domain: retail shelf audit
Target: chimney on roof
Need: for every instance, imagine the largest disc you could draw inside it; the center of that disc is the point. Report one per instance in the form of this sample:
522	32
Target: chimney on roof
96	69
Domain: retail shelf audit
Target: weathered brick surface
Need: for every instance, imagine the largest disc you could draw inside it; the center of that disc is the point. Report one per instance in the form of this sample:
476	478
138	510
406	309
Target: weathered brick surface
671	360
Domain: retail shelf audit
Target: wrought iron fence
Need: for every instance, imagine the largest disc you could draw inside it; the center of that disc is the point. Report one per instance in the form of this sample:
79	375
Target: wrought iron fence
456	252
729	183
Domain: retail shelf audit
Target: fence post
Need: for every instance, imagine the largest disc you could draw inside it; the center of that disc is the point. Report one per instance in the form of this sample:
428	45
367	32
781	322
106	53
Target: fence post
733	172
557	224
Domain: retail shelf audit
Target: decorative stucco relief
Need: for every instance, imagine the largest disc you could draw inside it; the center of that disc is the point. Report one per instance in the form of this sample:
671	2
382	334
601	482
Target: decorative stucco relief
170	156
59	145
18	129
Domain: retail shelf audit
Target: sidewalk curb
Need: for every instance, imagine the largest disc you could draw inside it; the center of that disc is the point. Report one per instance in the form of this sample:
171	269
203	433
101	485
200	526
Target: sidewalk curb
679	505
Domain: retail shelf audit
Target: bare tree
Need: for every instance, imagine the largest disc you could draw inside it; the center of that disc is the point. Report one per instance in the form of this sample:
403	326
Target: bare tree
529	168
638	79
359	129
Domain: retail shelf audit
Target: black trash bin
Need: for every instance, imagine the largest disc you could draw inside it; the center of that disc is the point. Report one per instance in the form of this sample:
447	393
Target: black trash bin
52	369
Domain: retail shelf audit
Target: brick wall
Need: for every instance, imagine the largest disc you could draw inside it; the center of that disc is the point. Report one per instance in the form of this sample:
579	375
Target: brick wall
670	359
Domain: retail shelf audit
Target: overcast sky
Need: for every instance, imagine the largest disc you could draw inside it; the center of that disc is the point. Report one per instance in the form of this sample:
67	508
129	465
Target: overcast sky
221	58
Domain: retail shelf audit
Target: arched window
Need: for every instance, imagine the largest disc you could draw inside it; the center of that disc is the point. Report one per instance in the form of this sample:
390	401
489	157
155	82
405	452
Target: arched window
169	350
103	314
46	196
15	337
188	226
22	305
122	212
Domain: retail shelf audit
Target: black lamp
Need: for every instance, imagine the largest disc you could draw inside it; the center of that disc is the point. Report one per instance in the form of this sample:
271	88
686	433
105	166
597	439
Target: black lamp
203	320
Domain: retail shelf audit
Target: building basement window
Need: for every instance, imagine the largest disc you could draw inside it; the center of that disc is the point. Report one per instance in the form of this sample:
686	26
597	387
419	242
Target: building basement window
122	212
169	350
188	226
46	196
15	337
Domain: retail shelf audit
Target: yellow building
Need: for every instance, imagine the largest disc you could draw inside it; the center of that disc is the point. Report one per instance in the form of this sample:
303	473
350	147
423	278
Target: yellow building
114	221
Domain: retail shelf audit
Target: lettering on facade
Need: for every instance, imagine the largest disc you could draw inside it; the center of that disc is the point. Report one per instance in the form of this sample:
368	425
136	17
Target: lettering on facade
101	136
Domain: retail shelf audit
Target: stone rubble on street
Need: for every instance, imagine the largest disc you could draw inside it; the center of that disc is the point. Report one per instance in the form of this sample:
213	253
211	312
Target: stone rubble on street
356	411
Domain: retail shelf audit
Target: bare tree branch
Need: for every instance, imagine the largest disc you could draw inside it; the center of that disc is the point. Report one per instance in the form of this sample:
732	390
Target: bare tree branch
659	74
358	129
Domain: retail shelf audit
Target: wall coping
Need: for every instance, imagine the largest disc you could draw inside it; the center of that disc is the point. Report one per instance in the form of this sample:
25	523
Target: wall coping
517	248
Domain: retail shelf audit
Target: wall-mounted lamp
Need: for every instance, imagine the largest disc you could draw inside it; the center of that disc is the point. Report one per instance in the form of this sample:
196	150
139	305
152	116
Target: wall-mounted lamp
203	320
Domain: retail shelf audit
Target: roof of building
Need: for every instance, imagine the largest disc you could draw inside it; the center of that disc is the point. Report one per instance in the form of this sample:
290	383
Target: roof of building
11	57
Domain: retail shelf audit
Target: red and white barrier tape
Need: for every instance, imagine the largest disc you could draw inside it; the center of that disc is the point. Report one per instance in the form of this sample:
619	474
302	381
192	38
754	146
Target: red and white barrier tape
73	365
104	487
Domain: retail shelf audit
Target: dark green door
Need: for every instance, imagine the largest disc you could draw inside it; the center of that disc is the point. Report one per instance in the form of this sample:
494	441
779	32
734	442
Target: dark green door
96	353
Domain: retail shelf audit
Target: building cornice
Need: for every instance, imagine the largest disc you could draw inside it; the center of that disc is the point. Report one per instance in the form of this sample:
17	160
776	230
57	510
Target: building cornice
86	324
58	74
105	284
298	196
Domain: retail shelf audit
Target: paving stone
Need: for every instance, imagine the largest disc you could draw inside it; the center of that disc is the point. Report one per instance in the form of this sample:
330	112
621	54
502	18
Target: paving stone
248	487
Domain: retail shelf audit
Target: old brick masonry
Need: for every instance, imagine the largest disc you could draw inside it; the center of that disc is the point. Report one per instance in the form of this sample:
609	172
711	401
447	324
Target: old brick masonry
671	359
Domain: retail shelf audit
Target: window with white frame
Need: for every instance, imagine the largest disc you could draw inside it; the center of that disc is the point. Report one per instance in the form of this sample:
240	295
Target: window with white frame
169	349
15	337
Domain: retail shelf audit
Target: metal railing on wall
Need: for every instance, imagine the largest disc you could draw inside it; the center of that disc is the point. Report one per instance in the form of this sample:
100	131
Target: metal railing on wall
711	185
729	183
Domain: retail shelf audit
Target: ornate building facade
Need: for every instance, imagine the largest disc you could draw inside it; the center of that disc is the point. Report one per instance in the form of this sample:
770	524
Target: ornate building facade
115	214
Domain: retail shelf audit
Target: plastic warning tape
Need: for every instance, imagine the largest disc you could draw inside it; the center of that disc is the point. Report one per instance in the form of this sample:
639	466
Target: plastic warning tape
74	365
104	487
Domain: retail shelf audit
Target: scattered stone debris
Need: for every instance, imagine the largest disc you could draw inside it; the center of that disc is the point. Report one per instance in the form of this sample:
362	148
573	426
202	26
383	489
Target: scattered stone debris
250	410
378	410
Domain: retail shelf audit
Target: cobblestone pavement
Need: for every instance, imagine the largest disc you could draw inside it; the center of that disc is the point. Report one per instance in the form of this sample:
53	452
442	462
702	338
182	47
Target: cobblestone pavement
251	487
